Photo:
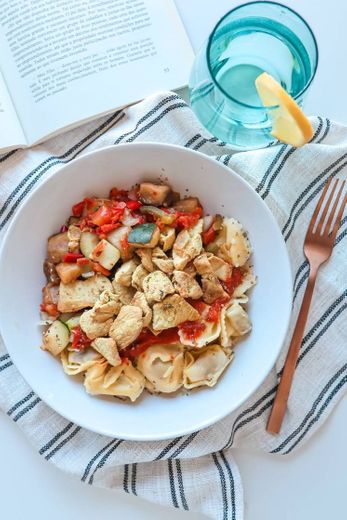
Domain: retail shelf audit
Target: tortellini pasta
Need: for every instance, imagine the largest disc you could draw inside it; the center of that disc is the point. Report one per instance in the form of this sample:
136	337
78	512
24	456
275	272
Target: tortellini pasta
234	244
75	362
234	323
204	367
162	366
121	381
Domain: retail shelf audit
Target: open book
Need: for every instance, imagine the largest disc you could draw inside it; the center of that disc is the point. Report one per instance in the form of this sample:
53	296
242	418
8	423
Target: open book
67	61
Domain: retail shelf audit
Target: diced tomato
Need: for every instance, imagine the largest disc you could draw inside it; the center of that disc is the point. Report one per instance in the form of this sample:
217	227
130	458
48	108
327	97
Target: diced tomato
78	208
198	305
133	204
117	194
188	220
83	261
107	228
192	329
90	203
50	308
102	216
124	244
147	339
79	339
214	310
100	269
72	257
233	281
208	236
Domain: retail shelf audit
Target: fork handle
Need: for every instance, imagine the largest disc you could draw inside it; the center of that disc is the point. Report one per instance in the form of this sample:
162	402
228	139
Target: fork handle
280	403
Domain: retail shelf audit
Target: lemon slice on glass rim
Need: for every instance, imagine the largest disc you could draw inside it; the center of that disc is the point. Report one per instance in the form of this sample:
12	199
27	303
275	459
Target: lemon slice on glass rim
289	123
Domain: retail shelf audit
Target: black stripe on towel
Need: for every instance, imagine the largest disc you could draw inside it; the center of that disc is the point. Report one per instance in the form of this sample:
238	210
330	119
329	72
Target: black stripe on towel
184	444
62	443
172	483
19	403
181	485
126	478
93	459
315	419
55	438
312	410
150	113
133	478
6	365
60	158
2	358
103	460
232	484
166	450
223	486
26	409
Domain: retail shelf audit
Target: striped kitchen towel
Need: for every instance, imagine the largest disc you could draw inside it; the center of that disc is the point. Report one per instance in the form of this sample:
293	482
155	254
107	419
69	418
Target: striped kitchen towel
290	181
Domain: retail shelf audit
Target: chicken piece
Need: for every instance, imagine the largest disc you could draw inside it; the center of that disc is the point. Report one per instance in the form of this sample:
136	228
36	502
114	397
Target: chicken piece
107	347
50	294
127	326
139	275
107	306
74	235
187	205
171	312
202	264
82	293
68	272
139	300
50	272
207	263
146	258
186	285
162	261
212	289
156	286
190	269
124	274
187	246
125	294
92	328
153	194
57	247
167	238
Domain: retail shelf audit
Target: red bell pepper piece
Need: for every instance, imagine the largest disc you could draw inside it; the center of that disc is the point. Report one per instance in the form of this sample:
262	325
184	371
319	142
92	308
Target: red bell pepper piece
72	258
133	204
208	236
79	339
102	216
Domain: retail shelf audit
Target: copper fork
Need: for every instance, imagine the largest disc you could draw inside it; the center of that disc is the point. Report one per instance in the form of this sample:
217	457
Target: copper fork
318	246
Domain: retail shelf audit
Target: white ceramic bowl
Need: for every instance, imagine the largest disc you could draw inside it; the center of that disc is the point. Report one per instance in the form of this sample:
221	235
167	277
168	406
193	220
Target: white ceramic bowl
23	252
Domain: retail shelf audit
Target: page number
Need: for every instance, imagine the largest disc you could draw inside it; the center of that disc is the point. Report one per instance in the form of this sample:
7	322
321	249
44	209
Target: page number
166	70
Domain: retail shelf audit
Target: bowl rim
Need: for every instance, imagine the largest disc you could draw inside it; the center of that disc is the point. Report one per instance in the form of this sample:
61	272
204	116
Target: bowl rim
286	275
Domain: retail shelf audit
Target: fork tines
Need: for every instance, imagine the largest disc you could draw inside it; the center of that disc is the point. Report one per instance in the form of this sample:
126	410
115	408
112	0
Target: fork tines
325	221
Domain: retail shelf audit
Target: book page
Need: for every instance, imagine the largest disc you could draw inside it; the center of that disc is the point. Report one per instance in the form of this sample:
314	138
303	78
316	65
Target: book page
11	132
66	60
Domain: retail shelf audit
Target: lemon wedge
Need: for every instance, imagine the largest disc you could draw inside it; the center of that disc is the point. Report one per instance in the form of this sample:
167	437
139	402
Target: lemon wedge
289	123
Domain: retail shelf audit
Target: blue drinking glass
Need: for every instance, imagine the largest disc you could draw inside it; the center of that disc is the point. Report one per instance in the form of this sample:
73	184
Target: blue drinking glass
253	38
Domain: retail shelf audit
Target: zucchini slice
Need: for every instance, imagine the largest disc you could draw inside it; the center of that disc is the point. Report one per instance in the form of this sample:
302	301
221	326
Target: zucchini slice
144	235
56	338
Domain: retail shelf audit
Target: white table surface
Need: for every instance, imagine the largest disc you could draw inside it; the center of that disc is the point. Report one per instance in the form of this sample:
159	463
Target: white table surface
310	484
